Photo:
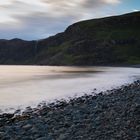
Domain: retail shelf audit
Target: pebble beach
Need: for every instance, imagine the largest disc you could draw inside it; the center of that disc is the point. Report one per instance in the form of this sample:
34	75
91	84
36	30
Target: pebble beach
109	115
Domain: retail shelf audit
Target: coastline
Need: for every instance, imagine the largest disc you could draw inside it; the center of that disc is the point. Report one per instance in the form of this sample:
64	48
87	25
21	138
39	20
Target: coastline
109	65
113	114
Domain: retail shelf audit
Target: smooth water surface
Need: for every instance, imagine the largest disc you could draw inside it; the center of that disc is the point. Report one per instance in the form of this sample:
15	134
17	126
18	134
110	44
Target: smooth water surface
22	86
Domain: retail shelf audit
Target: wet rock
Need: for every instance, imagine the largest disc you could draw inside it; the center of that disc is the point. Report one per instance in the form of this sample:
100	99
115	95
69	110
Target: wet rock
42	138
62	137
137	138
27	126
113	114
1	134
6	115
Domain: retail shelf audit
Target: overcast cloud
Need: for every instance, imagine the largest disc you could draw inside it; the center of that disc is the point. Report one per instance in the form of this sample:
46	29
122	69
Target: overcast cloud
35	19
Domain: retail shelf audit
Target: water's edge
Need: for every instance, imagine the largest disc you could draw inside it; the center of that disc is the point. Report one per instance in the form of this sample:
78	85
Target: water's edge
22	86
110	114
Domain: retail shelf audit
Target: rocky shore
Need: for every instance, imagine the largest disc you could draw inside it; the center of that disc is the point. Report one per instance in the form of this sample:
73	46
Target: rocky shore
111	115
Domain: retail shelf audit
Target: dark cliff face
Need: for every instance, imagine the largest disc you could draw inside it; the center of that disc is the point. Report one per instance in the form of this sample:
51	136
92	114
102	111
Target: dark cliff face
106	41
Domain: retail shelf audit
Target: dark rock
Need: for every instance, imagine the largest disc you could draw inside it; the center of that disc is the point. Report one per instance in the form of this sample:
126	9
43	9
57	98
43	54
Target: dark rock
27	126
111	115
42	138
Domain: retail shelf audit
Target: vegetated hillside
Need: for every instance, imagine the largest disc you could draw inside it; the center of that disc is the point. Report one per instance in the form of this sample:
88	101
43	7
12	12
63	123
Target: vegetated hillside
105	41
16	51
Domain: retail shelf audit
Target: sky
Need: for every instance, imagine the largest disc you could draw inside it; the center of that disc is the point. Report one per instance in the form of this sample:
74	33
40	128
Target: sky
37	19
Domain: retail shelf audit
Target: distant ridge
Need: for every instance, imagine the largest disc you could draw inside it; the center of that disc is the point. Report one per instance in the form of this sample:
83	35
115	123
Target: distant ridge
106	41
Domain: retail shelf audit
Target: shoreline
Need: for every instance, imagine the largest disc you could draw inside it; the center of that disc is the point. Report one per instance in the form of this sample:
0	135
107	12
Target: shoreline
111	65
113	114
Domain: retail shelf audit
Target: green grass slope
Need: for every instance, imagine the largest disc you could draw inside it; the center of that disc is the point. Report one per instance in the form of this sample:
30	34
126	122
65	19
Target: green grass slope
106	41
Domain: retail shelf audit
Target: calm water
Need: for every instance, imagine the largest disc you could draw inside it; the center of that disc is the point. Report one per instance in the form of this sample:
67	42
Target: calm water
22	86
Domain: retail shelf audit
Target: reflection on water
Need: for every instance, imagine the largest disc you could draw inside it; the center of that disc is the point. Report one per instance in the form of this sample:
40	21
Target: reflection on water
28	85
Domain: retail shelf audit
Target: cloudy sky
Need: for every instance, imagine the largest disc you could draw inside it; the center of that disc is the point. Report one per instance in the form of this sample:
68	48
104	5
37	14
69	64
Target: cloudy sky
36	19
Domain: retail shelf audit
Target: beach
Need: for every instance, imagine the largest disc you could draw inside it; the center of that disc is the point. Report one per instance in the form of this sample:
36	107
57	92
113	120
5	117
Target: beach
113	114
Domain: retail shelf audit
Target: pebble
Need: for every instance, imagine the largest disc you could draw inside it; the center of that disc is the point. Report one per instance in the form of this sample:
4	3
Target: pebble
42	138
27	126
110	115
